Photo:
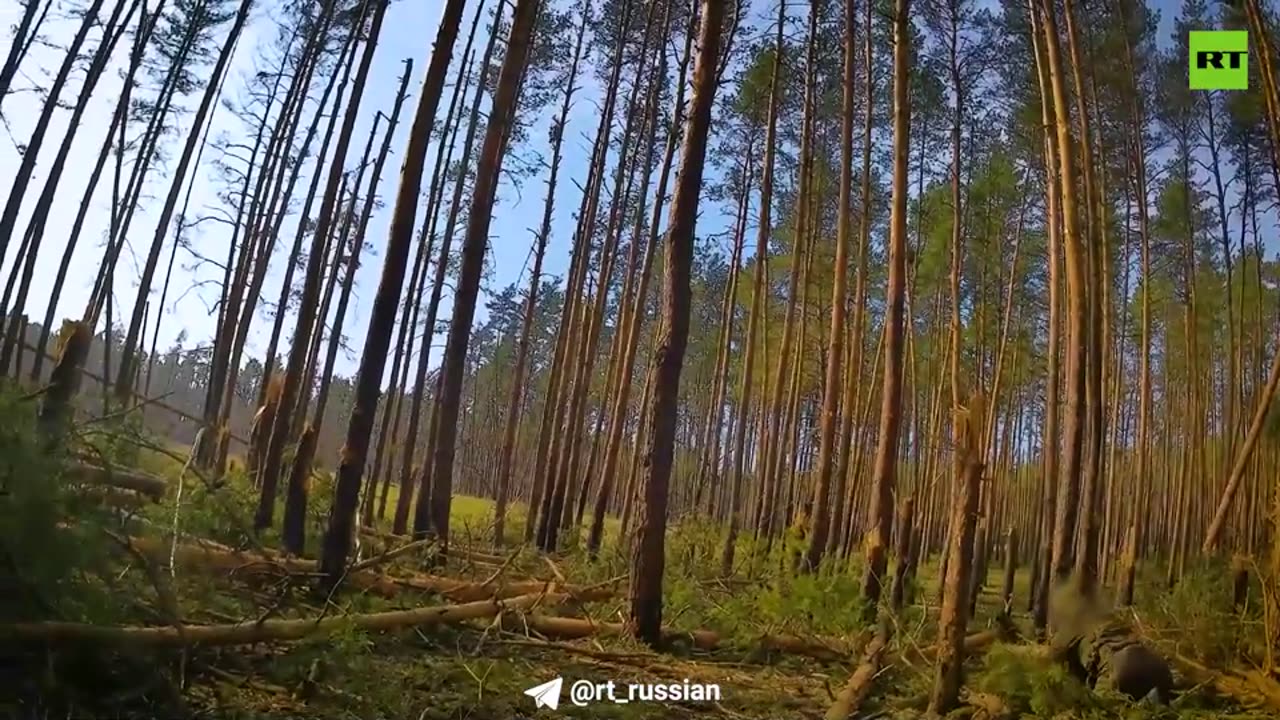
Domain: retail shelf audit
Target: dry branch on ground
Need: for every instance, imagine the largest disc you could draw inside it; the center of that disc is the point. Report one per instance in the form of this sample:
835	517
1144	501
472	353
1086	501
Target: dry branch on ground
268	630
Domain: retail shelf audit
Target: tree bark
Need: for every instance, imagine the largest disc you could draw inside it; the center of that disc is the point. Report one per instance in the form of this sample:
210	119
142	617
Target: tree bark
835	350
647	557
472	252
311	286
880	512
342	515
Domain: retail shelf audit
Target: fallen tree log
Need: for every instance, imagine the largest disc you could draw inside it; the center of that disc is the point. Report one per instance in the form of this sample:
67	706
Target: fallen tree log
1248	687
215	556
567	628
974	644
456	551
148	485
824	649
266	630
570	628
858	687
119	499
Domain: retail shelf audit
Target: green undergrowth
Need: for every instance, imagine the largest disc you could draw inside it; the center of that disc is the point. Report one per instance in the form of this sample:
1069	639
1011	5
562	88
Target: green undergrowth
64	559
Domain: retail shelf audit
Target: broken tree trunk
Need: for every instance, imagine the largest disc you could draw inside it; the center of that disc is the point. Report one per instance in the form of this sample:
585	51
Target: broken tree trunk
152	487
267	630
219	557
859	686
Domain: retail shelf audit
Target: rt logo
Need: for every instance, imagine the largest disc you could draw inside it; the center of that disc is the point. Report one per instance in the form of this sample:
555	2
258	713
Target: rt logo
1219	59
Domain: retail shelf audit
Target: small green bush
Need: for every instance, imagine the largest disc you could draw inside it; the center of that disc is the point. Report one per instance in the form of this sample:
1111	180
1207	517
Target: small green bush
52	546
1031	683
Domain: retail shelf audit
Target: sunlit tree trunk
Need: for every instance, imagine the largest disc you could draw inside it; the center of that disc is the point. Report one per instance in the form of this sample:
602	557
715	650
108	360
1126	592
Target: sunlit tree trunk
476	240
342	515
307	305
757	314
1068	503
880	510
647	562
835	350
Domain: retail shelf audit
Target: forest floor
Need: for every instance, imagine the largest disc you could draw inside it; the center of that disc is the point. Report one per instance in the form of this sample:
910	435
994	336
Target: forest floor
480	668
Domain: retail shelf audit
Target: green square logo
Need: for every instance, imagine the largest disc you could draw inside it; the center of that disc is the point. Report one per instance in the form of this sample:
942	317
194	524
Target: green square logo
1219	59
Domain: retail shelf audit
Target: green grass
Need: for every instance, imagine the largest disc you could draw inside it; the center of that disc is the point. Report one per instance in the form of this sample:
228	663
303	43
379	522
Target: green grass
475	671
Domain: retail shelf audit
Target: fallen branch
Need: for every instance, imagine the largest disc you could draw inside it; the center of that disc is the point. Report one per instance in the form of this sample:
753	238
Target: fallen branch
220	557
389	555
567	628
452	551
267	630
1247	687
152	487
824	649
974	644
856	690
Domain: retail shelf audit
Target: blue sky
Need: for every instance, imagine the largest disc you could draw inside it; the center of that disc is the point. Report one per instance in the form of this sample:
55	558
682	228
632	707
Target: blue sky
408	33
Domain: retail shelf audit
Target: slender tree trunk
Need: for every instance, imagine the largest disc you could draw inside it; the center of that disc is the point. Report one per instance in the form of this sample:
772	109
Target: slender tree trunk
342	515
647	557
551	435
260	239
27	165
854	382
1050	439
23	34
311	287
421	515
472	253
1069	489
147	25
835	351
124	378
306	451
515	405
758	293
880	512
111	34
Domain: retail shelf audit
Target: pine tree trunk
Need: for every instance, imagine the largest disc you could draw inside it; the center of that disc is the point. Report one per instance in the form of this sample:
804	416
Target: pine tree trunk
758	311
260	239
881	508
311	286
23	34
413	307
835	351
421	515
342	515
147	25
647	557
472	252
303	460
515	405
26	166
1050	437
1068	501
262	209
112	32
124	378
